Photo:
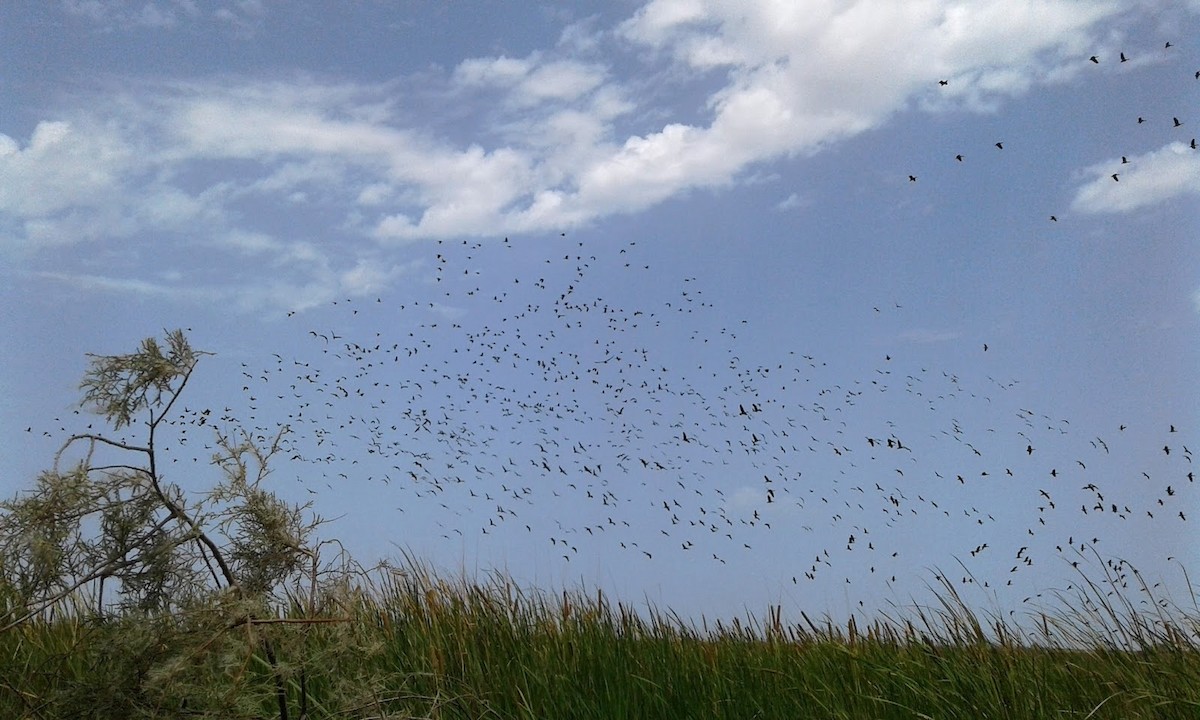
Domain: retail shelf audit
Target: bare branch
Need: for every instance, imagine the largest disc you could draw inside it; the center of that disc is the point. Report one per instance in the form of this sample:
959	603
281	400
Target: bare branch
94	439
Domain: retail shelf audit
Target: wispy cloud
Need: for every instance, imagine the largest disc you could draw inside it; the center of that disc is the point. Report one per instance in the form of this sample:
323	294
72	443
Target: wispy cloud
304	278
1145	180
129	285
126	15
790	202
927	336
551	140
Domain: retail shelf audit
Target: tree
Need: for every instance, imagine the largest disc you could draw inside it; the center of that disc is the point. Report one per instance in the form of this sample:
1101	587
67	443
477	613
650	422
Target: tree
113	536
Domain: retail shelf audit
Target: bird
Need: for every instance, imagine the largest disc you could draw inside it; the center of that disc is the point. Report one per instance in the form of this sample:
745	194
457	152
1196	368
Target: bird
1177	123
1115	178
1123	58
1095	59
1000	145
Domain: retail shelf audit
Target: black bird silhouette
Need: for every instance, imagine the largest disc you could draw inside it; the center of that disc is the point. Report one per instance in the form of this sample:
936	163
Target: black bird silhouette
1114	177
1177	123
943	82
1000	145
1123	58
1094	59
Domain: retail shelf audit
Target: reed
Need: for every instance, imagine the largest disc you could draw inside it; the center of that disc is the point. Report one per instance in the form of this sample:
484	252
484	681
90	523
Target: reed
405	642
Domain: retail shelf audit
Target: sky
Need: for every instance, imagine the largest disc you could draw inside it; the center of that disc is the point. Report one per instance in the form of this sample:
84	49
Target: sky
710	306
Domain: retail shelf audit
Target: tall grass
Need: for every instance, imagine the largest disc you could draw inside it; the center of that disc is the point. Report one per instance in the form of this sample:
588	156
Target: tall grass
404	642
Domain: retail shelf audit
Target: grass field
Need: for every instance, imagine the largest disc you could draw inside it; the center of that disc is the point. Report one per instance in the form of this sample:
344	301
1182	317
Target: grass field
408	644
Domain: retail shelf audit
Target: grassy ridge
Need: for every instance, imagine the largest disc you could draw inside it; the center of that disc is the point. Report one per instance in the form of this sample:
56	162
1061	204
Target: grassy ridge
412	645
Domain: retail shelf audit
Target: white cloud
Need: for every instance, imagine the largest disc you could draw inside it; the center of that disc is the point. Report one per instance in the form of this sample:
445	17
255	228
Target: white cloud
796	80
497	71
304	276
123	15
563	81
1150	179
61	167
374	194
565	143
126	285
532	80
790	202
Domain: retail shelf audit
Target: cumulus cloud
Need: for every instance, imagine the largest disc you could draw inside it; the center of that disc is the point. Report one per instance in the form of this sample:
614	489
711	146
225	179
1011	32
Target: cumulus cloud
551	139
1155	177
60	167
795	80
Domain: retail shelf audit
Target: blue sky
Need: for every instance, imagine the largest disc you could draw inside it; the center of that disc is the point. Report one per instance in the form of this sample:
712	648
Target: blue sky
552	240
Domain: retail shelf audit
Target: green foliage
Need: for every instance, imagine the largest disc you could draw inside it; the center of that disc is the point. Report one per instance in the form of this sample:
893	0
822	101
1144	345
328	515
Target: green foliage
170	595
122	596
405	643
120	386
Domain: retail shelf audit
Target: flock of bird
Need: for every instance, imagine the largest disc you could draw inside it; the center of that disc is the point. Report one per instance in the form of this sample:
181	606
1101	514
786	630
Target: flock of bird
532	406
515	397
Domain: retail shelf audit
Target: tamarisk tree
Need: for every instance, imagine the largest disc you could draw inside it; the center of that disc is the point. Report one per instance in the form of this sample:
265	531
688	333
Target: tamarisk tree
115	537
